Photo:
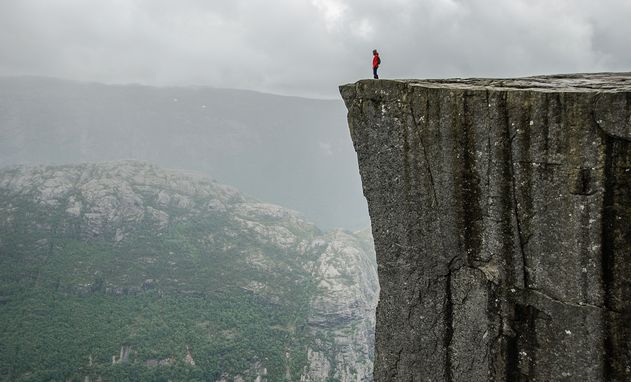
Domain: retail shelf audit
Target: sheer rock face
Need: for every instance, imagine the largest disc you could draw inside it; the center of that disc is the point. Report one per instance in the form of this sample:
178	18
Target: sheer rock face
501	214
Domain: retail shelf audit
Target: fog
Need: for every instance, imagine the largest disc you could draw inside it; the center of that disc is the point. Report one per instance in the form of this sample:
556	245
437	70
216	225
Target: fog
300	47
289	47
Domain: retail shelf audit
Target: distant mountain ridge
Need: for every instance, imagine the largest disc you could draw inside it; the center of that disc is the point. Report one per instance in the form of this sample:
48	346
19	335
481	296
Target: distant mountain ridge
292	151
126	271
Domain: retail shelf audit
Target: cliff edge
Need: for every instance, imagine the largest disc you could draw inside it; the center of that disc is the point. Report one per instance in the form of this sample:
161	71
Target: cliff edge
501	214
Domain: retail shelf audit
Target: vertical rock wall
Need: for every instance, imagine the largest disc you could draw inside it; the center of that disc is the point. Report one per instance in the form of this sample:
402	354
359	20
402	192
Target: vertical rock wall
501	213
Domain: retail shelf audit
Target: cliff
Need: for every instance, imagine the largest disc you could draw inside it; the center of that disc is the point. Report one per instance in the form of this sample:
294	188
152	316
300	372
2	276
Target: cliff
500	212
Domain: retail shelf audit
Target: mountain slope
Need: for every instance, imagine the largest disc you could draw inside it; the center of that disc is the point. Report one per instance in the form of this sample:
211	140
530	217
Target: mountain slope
292	151
127	271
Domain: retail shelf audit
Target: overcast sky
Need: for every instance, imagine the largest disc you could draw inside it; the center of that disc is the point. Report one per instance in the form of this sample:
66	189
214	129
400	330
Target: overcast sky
308	47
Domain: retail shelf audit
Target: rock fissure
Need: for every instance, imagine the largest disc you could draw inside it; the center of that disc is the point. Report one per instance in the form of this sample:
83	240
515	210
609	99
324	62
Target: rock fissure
416	131
449	330
518	224
583	305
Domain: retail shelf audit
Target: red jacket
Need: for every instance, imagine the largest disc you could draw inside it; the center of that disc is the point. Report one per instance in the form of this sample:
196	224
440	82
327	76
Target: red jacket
375	61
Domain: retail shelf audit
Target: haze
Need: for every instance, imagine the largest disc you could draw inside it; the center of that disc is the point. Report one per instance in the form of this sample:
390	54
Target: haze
307	47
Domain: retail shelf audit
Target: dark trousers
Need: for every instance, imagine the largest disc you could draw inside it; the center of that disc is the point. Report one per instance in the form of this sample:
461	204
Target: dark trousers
374	73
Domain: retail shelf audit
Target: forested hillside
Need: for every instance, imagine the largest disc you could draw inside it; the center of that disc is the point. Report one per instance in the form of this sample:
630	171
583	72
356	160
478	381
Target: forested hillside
125	271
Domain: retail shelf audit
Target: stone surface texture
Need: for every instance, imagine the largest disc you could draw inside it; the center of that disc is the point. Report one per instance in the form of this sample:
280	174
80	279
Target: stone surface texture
501	214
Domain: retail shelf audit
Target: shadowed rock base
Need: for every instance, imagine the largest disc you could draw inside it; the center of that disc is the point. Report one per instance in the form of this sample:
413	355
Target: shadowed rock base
501	213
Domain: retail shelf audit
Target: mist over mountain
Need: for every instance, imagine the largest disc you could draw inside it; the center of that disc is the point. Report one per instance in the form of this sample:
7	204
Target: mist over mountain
126	271
292	151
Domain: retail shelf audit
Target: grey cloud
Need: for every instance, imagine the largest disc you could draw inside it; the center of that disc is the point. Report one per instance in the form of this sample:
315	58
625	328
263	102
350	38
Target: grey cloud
307	47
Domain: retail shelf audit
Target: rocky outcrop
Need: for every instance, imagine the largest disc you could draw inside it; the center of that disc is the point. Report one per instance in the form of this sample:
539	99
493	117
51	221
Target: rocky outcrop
122	358
500	213
342	314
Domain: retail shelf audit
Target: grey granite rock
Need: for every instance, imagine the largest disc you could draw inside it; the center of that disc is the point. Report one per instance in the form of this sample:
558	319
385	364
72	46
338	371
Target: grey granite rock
501	214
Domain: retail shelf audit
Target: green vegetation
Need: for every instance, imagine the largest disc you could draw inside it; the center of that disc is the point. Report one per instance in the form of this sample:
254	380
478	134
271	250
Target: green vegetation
70	300
49	336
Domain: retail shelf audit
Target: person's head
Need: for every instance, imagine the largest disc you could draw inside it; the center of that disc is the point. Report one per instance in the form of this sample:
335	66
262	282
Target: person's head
374	51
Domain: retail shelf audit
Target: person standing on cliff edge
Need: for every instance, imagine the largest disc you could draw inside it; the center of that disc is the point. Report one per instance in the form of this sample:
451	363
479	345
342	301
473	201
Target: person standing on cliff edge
376	61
